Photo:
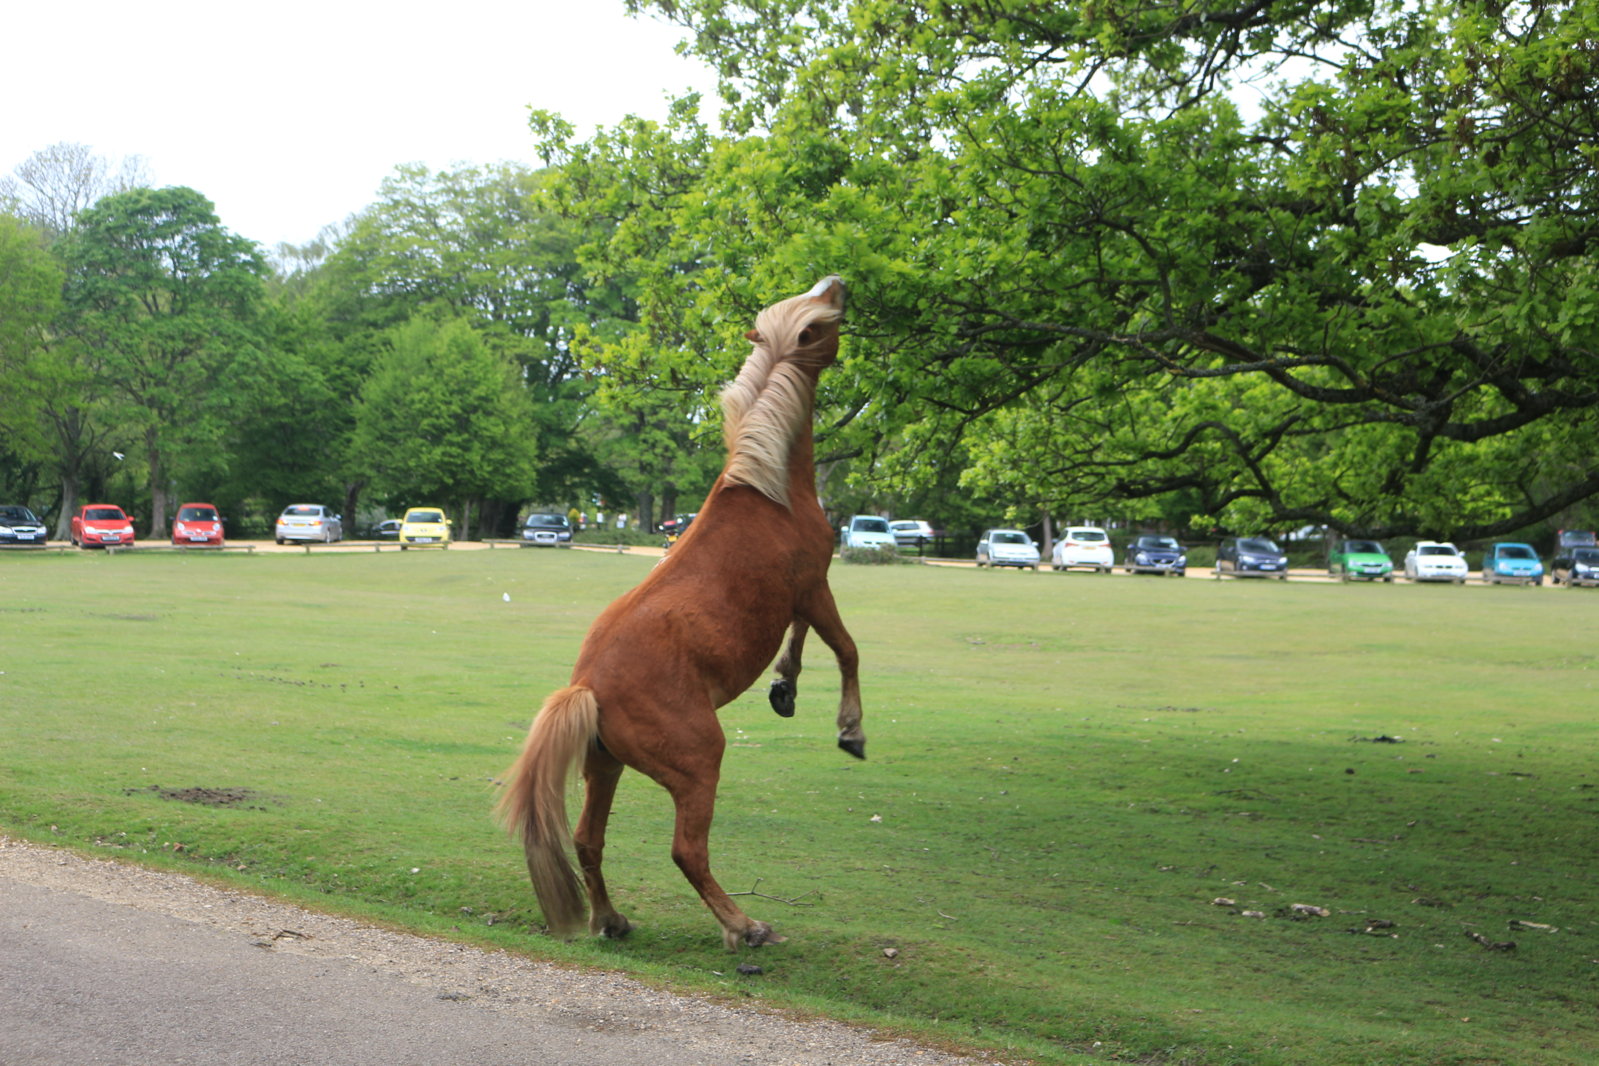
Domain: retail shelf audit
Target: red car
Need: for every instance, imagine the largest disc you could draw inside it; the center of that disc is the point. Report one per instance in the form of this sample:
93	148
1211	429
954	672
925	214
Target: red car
99	524
197	523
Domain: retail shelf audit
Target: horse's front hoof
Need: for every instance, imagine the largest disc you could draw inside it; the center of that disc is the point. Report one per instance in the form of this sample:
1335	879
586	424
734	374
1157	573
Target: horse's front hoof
781	695
856	746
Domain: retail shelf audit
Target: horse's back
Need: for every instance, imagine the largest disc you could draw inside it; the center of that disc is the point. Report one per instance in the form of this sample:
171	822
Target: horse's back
712	615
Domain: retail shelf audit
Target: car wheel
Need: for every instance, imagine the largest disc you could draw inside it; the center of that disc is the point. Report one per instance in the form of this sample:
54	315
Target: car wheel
279	540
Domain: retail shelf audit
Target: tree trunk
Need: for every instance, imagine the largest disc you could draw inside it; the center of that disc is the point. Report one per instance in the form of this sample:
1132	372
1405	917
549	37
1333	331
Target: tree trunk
1048	549
352	499
668	501
644	503
69	504
160	500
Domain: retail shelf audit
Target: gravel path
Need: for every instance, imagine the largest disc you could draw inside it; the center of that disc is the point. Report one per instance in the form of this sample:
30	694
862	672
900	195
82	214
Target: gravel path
110	963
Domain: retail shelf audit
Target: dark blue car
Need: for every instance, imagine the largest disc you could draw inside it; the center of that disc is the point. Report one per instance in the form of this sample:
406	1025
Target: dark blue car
1151	554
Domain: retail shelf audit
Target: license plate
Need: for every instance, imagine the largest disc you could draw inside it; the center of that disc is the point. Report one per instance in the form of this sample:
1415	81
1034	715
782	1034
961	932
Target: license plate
198	536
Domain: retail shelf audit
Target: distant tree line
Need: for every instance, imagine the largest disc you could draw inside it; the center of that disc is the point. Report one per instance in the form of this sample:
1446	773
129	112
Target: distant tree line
1246	265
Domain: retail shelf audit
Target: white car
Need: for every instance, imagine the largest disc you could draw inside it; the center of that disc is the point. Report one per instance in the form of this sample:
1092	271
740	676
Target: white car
866	531
1435	560
910	532
1087	546
1007	547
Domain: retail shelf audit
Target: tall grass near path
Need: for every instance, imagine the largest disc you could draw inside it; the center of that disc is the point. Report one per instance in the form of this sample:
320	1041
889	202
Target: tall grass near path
1065	773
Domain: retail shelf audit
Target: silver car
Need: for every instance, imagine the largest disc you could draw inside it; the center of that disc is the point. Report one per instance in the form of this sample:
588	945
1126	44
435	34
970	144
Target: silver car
1007	547
308	522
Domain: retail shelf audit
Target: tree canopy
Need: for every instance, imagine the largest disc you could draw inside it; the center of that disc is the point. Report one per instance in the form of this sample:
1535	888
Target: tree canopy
1295	262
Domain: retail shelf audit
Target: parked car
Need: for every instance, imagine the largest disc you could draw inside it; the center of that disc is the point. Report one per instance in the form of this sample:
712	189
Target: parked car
1435	560
678	524
1085	546
308	522
1152	554
1576	538
866	531
546	528
18	525
1251	557
424	527
1007	547
911	532
1360	560
196	524
1575	566
1513	562
99	524
388	529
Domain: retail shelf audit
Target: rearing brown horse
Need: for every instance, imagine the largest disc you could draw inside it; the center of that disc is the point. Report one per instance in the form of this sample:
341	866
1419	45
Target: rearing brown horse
695	634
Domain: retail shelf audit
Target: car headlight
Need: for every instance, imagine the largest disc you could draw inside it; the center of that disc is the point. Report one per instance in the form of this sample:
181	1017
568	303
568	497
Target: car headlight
1142	559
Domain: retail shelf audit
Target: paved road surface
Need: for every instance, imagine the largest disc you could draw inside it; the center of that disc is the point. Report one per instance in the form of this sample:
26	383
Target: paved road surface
103	964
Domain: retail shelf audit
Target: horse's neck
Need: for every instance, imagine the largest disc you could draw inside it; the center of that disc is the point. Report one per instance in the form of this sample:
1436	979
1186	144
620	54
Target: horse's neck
802	467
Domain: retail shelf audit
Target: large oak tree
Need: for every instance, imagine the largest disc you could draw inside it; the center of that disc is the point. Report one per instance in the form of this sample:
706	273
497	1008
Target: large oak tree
1296	262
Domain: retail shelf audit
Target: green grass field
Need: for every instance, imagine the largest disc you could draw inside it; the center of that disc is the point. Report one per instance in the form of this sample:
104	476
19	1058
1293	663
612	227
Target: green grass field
1064	772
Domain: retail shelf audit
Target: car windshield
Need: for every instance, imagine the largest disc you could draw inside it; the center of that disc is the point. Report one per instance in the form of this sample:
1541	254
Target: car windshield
1158	542
104	514
301	510
197	514
425	516
1436	549
870	525
1586	555
1257	544
1363	547
546	520
1008	537
16	514
1087	536
1516	551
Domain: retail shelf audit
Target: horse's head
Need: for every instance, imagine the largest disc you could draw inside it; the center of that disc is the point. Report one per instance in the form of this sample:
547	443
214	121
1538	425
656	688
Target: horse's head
803	329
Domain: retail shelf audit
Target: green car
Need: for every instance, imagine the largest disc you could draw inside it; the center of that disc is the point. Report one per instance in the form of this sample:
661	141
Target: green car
1360	560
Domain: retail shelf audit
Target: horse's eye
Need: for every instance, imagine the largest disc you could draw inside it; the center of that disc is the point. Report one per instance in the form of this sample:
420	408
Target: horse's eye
805	335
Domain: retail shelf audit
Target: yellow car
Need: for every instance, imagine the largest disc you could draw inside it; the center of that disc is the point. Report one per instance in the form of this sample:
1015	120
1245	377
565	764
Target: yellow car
424	527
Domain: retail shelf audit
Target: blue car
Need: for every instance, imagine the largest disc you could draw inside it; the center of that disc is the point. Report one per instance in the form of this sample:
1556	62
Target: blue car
1509	561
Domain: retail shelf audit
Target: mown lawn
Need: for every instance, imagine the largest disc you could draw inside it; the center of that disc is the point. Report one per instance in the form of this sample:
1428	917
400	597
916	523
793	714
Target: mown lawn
1064	772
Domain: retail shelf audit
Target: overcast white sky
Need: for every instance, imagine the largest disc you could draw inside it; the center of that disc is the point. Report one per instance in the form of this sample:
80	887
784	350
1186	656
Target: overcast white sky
288	115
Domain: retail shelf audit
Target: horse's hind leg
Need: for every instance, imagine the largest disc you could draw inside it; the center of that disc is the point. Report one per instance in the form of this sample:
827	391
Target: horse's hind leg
601	771
694	796
822	613
784	689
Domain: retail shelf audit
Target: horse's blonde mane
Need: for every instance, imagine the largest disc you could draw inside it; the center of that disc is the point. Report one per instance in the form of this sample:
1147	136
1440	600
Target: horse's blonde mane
769	403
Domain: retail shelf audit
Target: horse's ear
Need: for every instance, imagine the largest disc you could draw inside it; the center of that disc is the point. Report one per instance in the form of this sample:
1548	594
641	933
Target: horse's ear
753	336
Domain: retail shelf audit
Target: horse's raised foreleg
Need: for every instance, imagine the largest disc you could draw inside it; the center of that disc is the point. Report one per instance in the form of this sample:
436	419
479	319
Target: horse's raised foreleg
784	687
601	771
822	614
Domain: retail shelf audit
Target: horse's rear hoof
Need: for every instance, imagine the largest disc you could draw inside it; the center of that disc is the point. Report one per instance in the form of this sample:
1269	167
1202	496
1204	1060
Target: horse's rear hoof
856	746
781	695
612	927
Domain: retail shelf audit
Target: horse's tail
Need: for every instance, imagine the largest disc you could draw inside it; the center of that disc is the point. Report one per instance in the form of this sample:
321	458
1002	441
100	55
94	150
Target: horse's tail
534	804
